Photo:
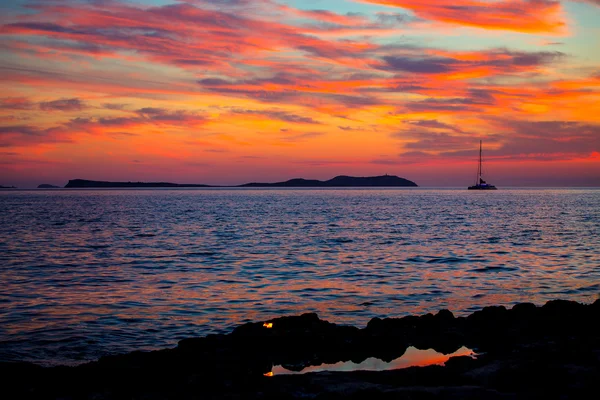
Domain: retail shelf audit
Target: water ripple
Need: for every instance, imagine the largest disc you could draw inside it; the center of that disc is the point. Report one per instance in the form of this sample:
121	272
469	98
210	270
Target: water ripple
88	273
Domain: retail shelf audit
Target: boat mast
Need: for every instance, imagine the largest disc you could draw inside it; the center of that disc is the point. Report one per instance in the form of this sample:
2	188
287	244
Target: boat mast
480	171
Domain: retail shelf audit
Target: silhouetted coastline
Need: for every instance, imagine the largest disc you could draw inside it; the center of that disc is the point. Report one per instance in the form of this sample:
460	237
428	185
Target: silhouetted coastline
341	181
338	181
84	183
47	186
552	351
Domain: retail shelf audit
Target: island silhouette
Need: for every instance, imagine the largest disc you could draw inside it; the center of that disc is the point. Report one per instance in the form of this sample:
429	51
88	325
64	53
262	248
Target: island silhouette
338	181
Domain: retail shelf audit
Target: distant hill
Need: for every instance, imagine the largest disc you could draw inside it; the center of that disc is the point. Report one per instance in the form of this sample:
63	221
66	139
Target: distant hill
341	181
7	187
83	183
47	186
338	181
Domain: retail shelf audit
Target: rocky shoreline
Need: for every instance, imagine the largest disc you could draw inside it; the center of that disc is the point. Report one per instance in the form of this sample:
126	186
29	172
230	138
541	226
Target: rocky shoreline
525	352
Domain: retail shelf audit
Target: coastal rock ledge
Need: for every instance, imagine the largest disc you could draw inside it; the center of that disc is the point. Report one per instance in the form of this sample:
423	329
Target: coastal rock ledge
525	352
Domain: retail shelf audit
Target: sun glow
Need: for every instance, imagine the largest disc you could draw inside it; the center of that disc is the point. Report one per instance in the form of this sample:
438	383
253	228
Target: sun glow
297	92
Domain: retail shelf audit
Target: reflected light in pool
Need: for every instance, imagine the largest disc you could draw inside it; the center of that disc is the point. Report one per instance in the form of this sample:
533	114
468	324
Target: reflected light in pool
413	357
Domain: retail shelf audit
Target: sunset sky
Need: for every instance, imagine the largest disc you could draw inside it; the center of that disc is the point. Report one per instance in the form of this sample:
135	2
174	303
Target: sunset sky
232	91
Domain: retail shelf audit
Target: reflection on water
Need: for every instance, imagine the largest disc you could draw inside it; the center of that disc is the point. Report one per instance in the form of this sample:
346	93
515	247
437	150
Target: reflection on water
91	272
413	357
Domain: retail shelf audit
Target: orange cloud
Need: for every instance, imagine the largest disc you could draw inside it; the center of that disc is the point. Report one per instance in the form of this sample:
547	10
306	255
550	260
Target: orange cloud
528	16
275	88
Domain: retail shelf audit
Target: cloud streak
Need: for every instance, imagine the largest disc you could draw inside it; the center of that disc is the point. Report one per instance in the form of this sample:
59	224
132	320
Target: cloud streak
527	16
74	104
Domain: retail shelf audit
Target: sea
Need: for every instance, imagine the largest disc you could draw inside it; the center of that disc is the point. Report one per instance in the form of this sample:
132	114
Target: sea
87	273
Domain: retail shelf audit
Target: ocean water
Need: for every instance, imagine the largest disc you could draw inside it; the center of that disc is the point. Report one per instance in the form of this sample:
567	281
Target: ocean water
84	273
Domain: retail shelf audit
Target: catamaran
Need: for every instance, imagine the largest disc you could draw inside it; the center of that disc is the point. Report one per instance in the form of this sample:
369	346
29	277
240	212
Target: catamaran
481	184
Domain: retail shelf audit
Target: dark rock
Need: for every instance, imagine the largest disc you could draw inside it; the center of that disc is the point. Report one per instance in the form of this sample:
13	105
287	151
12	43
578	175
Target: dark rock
595	308
461	363
557	309
525	352
523	311
375	324
444	316
488	317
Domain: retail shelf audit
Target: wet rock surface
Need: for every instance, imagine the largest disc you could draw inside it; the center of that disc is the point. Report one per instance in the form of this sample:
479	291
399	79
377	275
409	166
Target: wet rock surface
552	351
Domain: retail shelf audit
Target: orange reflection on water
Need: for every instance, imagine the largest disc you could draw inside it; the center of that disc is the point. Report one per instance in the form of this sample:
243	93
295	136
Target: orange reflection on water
108	271
413	357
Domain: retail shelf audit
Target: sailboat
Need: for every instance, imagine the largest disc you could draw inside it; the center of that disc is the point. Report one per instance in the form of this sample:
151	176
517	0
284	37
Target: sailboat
481	184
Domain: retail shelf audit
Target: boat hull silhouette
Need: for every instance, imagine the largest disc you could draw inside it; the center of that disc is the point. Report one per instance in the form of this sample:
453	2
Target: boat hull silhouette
481	184
484	186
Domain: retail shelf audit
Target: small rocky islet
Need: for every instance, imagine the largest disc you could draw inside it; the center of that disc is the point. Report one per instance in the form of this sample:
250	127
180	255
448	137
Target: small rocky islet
552	351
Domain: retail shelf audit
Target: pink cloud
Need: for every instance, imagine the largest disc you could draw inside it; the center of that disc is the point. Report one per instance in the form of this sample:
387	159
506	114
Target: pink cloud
529	16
